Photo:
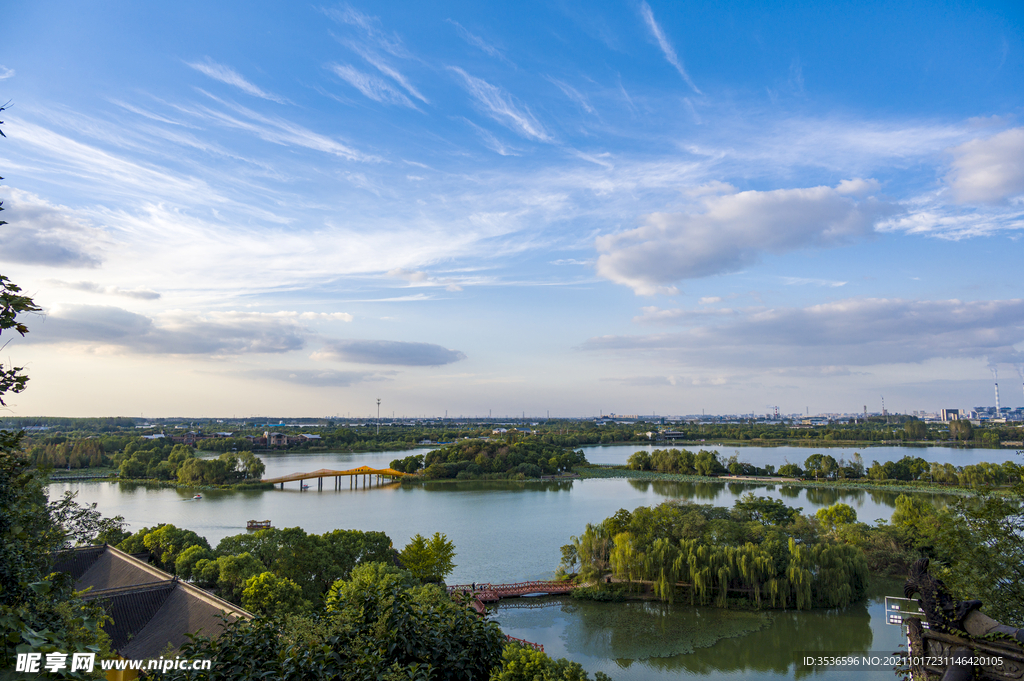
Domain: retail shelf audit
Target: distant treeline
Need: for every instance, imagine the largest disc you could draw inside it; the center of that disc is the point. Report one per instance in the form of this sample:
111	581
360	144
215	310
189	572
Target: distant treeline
827	467
142	459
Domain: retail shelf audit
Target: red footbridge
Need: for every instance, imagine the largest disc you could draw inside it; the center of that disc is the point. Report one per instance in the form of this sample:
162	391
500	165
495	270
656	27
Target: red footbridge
490	593
478	594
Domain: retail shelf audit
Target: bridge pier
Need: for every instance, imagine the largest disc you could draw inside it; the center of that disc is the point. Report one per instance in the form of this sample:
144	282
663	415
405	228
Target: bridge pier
319	484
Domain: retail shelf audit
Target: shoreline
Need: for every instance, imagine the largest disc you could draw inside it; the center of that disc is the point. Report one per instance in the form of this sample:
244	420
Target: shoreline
762	481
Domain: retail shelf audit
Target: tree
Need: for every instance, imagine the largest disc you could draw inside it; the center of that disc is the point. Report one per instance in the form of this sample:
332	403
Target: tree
639	461
429	560
790	470
266	593
520	663
983	539
814	465
38	609
961	429
835	515
706	463
765	510
570	557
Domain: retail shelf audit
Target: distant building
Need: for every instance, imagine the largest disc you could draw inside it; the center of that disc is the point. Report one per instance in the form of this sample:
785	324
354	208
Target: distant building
947	415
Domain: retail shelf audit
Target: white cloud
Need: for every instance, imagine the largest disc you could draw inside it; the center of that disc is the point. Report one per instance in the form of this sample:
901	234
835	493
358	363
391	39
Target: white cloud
988	170
326	316
397	353
6	73
93	287
228	76
665	45
479	43
423	279
733	232
575	95
178	332
391	72
805	281
858	187
502	107
42	233
373	87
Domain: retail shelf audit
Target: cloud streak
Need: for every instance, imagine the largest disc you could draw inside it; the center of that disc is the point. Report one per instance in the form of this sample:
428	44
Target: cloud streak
502	107
372	87
93	287
228	76
665	45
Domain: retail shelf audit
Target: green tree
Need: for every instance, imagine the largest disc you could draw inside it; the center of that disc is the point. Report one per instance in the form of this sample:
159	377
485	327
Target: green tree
835	515
266	593
961	429
765	510
706	463
38	609
814	465
185	563
429	560
233	572
639	461
521	663
983	542
166	542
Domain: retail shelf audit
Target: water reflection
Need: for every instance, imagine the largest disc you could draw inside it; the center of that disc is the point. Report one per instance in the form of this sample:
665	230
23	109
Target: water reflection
643	640
503	485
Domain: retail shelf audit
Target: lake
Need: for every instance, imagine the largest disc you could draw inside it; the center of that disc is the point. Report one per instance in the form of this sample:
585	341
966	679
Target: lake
512	531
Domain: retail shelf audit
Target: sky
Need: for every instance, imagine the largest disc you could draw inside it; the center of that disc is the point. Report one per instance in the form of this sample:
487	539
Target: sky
568	208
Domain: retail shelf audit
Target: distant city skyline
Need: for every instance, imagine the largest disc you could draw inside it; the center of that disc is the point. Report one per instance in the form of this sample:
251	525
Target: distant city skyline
571	208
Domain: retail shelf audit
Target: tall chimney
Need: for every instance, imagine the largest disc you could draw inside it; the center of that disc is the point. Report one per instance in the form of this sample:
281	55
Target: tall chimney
997	400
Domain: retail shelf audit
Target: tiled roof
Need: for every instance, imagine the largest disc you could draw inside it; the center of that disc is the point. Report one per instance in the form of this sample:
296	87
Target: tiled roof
152	611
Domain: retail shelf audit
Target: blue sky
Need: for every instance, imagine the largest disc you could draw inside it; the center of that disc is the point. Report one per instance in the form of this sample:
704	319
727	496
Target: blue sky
562	207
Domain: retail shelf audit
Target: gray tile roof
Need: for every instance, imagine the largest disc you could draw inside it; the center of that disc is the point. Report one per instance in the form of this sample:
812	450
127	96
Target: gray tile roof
152	611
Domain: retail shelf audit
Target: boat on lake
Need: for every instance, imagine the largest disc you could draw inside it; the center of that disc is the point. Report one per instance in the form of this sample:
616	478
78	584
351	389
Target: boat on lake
258	525
197	497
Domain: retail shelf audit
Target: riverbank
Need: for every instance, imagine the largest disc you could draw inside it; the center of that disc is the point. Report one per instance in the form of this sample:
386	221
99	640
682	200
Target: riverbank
152	482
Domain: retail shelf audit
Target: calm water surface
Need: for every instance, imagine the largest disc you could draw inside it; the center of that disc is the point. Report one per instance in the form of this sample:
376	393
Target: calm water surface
506	531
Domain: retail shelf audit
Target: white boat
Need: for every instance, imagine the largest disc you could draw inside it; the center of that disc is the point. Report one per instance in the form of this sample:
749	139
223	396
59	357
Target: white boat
305	487
198	496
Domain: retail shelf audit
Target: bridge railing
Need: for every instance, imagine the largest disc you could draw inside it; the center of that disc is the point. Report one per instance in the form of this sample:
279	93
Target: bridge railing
524	642
517	587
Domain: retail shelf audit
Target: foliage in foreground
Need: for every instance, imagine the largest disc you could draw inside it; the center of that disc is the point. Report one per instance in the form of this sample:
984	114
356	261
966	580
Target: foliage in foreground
380	624
312	562
39	611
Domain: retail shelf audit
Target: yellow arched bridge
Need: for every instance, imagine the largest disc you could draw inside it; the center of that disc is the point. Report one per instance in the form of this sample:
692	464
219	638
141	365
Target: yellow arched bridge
367	473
